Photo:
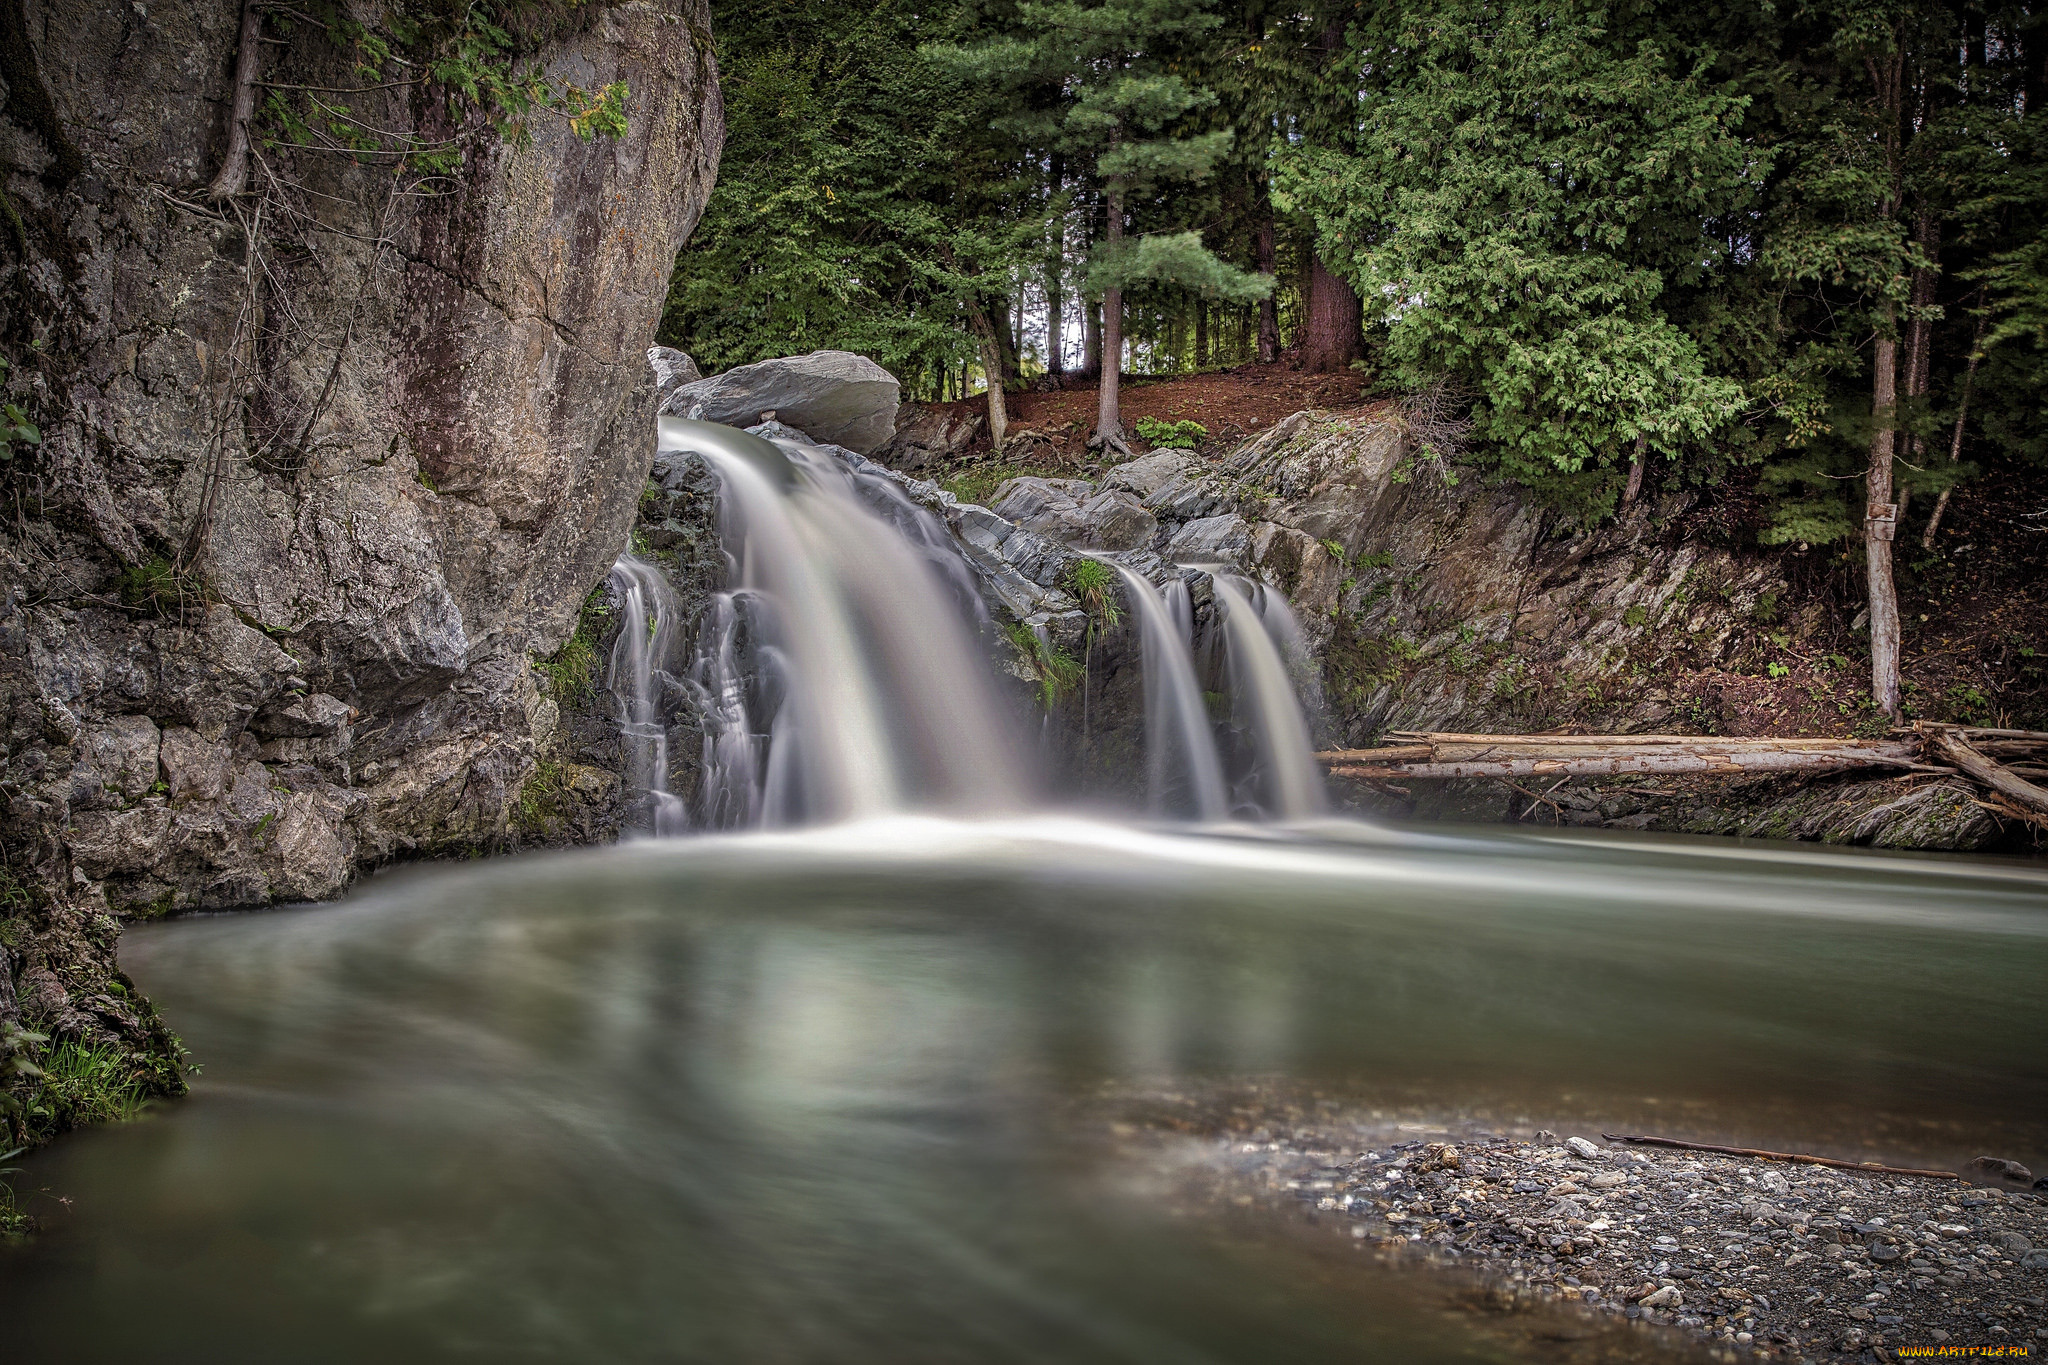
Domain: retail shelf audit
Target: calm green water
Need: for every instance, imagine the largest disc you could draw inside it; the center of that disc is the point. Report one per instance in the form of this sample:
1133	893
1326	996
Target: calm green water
813	1098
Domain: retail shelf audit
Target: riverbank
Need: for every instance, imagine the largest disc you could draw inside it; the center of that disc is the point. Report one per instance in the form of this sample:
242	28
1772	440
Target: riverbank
1758	1259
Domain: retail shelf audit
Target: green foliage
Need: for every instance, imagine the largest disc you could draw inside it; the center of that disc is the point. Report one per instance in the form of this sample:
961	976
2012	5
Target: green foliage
158	588
540	798
1107	85
1182	435
1095	585
1059	672
979	484
82	1083
862	200
15	428
570	670
1521	184
476	57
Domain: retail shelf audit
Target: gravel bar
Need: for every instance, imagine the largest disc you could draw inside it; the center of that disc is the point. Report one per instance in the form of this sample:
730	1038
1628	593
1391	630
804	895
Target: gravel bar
1760	1258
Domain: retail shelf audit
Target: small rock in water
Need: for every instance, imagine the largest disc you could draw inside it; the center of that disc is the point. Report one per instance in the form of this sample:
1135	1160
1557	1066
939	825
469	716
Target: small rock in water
1589	1151
2003	1172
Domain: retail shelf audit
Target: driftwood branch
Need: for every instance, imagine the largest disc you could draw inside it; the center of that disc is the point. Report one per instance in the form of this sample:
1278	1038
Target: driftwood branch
1952	746
234	168
1867	1167
1509	756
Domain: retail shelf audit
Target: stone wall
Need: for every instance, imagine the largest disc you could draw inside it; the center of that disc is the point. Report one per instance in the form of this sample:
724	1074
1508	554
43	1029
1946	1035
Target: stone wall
419	411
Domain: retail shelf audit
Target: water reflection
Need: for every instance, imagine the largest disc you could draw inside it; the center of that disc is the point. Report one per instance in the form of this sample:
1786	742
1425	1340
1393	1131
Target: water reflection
808	1097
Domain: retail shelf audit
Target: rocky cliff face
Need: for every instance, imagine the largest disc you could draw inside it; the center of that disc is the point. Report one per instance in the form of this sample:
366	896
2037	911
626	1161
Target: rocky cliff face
325	467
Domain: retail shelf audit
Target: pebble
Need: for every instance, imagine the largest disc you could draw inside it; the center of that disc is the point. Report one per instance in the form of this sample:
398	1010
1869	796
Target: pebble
1813	1264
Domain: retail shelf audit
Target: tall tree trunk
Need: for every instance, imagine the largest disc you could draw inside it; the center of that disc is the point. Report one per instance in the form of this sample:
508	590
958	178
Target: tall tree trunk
234	166
1955	444
1635	474
1331	337
985	341
1269	310
1880	521
1201	332
1091	340
1055	281
1109	420
1918	359
1006	372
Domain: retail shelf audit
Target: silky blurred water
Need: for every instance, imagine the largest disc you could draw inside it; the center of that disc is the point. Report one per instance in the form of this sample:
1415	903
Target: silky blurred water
811	1097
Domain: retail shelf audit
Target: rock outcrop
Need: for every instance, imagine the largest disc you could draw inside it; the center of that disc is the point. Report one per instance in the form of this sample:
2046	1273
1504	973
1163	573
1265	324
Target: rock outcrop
928	436
1437	601
834	397
326	465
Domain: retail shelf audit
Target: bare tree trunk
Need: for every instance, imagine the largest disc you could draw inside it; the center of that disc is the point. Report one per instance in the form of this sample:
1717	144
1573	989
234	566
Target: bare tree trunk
1269	311
1109	421
1331	336
1880	522
1091	340
992	365
234	168
1201	332
1055	282
1635	474
1955	444
1918	359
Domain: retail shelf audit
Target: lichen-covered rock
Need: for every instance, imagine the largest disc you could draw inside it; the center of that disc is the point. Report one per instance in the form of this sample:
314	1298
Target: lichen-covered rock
834	397
278	615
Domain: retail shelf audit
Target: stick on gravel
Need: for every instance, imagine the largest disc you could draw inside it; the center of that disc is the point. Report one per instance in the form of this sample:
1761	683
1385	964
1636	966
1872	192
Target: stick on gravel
1867	1167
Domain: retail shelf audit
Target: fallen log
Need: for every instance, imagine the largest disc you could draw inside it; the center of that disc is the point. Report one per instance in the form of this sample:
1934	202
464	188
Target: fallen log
1867	1167
1510	756
1999	778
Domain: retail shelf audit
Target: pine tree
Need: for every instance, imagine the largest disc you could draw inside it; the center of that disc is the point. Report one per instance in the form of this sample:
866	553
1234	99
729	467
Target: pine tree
1120	96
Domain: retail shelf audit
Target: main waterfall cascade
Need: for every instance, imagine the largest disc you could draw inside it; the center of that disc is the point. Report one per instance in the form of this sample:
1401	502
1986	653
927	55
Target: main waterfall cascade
839	675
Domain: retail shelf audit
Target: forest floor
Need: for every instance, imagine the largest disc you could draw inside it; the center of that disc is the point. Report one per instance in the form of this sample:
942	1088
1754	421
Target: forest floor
1618	1253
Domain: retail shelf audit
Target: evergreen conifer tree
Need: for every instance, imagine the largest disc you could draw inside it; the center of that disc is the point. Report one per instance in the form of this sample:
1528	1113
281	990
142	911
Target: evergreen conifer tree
1115	65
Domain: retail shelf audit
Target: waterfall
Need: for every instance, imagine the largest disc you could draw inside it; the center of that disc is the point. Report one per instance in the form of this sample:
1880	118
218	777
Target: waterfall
844	642
1176	719
1292	782
636	676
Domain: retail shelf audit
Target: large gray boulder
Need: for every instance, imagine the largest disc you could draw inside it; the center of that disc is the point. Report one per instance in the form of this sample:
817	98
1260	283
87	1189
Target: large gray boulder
1147	474
1072	511
672	369
835	397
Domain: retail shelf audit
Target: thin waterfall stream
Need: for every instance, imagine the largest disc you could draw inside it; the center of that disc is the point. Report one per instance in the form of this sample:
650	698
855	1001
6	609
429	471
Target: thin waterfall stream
1289	777
637	676
1177	719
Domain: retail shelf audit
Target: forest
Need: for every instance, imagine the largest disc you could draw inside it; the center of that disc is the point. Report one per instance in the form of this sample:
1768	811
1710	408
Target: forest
1797	245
